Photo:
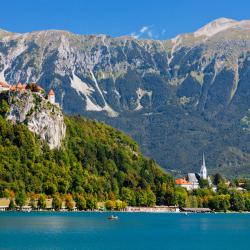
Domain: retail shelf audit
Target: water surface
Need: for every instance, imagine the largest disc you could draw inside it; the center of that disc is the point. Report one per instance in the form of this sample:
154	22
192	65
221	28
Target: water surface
132	231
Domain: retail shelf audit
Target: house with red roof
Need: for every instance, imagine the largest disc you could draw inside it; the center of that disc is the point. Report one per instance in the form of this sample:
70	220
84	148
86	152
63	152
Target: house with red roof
184	183
4	86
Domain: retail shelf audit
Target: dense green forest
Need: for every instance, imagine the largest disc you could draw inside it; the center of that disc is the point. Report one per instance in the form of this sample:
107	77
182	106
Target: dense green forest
95	160
96	163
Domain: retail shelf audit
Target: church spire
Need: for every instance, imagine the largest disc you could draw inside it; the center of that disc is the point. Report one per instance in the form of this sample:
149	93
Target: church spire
203	171
203	160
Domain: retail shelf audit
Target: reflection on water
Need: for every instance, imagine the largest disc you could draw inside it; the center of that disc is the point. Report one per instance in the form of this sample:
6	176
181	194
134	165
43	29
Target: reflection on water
131	231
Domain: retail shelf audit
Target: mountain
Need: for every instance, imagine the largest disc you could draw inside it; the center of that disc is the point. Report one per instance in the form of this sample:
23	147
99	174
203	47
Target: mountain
93	159
177	98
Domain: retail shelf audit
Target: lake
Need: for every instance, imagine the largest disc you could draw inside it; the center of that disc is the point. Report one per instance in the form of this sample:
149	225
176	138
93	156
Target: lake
82	230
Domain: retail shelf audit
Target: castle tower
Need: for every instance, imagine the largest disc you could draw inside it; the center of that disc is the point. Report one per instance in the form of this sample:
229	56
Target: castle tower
203	171
51	96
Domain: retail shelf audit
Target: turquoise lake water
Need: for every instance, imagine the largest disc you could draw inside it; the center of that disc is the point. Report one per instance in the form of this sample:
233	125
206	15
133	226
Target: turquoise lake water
132	231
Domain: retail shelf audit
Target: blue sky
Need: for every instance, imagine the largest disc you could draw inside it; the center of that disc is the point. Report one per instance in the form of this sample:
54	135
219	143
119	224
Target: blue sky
158	19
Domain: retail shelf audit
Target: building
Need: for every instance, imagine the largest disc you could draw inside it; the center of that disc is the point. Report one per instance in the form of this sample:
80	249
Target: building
20	87
4	204
192	180
184	183
51	96
33	87
155	209
196	210
203	170
4	86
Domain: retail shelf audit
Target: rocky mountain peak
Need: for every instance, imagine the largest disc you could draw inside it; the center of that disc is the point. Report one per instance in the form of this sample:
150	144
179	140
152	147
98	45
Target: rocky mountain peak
215	27
153	90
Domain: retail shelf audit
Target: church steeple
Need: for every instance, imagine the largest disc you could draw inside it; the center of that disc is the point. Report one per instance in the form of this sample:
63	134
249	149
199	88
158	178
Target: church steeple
203	171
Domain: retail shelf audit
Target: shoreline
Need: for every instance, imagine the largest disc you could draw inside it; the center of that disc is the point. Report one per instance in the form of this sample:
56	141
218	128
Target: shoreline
121	212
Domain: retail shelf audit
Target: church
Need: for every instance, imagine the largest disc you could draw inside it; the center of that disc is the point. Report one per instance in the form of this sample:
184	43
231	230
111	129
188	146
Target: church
191	182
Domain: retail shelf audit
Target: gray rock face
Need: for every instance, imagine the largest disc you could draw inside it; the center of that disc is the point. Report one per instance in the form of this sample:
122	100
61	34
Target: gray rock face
41	117
188	91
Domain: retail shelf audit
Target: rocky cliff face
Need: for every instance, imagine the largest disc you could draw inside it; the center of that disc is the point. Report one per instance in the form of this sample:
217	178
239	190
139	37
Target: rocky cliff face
189	91
41	117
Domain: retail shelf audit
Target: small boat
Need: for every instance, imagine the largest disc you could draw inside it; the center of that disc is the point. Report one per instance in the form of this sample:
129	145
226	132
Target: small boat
113	217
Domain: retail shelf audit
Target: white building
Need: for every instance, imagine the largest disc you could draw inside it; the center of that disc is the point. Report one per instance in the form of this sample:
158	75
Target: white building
194	177
51	96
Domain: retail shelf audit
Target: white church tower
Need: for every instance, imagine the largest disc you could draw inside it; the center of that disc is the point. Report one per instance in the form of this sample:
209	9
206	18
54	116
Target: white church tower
51	96
203	171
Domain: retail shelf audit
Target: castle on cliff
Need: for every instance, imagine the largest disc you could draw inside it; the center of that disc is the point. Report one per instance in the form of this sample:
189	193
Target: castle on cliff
33	87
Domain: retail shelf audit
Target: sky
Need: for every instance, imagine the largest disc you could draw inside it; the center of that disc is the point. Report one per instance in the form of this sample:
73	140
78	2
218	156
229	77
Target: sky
156	19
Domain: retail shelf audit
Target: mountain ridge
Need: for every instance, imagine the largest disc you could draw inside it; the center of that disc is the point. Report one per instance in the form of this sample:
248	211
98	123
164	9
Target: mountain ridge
188	91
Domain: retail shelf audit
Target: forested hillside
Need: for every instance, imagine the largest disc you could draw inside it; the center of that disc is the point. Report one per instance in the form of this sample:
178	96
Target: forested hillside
95	160
95	163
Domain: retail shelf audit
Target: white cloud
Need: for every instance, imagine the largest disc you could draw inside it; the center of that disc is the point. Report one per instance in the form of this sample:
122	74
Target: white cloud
144	29
148	32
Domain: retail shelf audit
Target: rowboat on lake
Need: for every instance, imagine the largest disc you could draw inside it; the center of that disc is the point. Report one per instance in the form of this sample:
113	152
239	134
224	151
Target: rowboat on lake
113	217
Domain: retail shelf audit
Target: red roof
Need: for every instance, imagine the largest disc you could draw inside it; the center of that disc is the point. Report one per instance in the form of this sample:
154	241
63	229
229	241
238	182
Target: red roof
13	88
182	182
19	85
4	84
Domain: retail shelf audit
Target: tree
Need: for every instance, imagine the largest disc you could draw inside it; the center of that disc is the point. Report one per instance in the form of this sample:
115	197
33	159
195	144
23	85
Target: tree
119	205
20	198
91	202
12	205
6	193
128	196
237	201
32	87
192	201
181	196
69	202
4	108
33	203
222	188
80	202
247	184
151	198
203	183
170	196
57	202
41	203
247	201
217	179
110	205
50	188
220	202
141	198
